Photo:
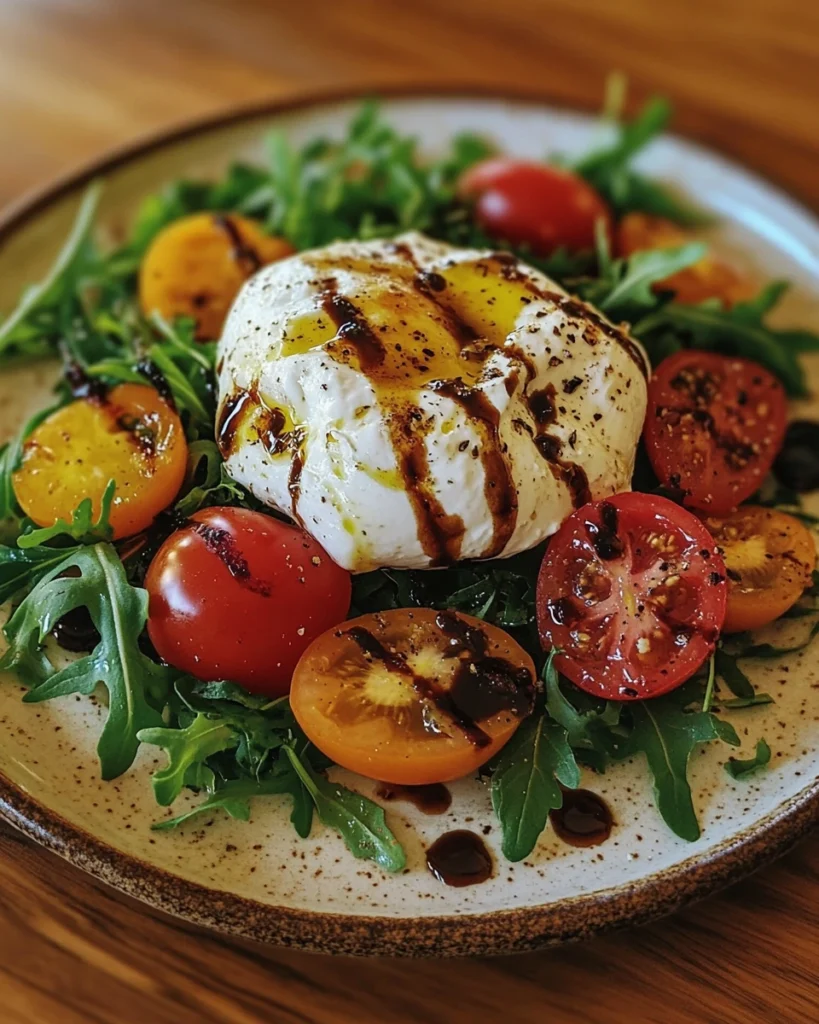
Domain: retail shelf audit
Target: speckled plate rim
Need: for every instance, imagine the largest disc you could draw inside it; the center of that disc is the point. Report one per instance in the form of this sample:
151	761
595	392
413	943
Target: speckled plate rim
488	933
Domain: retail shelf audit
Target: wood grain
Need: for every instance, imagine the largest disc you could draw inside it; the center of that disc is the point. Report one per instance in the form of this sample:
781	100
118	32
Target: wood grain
78	76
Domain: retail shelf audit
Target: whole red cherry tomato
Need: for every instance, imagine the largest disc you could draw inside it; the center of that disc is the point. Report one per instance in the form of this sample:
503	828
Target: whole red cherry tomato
238	595
527	203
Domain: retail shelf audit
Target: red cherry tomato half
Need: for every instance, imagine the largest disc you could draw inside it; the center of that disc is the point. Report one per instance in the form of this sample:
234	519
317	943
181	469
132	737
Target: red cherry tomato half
713	428
632	591
526	203
239	595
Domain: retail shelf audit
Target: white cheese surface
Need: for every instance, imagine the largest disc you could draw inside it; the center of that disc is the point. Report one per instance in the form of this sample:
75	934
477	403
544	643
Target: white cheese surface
411	403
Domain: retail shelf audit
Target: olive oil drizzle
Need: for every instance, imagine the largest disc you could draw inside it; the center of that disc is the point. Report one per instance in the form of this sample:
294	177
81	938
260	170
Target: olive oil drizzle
510	271
500	491
439	533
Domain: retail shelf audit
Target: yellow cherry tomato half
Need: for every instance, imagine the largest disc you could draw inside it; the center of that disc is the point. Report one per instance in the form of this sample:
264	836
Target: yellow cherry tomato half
708	278
412	696
769	558
131	436
196	266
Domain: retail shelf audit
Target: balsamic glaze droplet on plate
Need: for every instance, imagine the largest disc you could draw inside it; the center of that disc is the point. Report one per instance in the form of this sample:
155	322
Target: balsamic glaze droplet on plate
584	819
460	858
434	798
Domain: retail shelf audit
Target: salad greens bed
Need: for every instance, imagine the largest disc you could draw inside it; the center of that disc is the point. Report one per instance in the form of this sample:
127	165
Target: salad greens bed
232	746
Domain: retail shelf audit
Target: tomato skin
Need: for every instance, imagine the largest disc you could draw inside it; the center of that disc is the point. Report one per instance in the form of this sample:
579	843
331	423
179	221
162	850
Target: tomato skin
528	203
129	435
361	693
769	558
632	591
196	265
238	595
714	426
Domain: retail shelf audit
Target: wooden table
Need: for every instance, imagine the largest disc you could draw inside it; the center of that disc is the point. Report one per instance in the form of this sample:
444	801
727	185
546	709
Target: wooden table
78	76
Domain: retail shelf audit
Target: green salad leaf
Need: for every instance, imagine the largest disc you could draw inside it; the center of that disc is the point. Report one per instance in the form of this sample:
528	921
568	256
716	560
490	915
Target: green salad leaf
589	731
207	482
233	797
728	670
739	768
526	780
169	357
609	169
187	749
21	568
624	290
359	821
667	735
93	578
740	331
31	328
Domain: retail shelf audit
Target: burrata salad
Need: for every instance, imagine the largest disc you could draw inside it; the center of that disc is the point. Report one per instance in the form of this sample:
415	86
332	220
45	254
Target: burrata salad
421	465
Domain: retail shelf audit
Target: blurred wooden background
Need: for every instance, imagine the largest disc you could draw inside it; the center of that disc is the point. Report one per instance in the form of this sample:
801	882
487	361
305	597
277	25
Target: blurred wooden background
80	76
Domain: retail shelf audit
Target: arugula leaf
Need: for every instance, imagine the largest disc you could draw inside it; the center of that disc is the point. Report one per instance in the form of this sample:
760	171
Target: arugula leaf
172	353
359	821
60	281
261	725
766	650
501	591
735	703
525	782
186	748
667	736
83	528
728	670
137	687
626	291
589	731
608	169
371	184
740	331
9	509
738	768
214	486
21	568
233	797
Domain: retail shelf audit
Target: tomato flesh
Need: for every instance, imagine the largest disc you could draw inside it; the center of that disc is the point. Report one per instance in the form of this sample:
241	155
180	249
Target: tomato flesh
713	427
527	203
238	595
632	591
412	696
769	560
129	435
196	266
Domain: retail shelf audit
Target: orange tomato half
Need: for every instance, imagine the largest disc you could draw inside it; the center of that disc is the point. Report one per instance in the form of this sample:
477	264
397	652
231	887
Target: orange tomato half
412	696
131	436
769	558
196	266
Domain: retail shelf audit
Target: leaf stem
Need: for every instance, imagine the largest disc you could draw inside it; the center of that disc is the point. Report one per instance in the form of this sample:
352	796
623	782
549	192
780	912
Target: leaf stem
708	700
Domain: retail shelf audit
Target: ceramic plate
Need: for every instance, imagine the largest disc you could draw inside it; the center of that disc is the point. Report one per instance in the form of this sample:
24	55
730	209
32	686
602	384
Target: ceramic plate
258	879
